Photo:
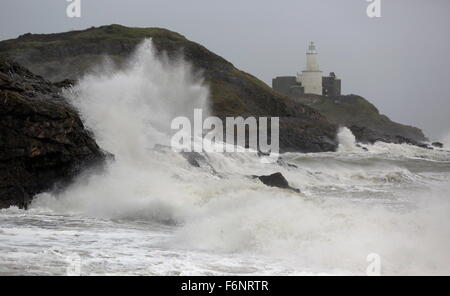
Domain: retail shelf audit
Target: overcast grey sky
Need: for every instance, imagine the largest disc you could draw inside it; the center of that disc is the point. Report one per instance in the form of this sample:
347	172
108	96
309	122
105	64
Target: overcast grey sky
400	62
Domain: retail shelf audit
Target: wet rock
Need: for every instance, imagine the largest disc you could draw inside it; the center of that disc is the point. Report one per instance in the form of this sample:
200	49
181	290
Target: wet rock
348	110
368	136
362	147
276	180
284	163
66	83
199	160
194	158
43	143
437	144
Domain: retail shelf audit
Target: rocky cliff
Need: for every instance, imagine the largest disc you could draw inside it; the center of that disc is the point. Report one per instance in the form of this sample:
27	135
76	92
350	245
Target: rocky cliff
233	92
43	143
363	118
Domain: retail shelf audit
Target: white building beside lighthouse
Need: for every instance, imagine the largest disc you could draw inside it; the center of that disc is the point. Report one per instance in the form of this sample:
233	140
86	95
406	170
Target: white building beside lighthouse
311	77
310	81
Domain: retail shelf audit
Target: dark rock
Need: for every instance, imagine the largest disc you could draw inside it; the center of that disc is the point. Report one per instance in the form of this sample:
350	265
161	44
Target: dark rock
362	147
194	158
198	160
43	143
368	136
425	146
284	163
403	140
438	144
276	180
66	83
354	110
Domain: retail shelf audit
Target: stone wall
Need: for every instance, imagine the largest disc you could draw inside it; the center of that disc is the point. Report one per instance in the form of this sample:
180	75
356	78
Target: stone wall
331	85
287	85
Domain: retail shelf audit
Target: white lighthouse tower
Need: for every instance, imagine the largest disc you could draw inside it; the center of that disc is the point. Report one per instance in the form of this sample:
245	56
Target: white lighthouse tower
311	77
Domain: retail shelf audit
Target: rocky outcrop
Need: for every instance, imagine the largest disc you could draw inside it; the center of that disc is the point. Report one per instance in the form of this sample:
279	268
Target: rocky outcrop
276	180
365	119
66	83
437	144
43	143
368	136
232	92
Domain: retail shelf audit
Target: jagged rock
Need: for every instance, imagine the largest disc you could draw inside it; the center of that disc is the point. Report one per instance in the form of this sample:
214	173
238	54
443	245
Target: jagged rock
43	143
284	163
354	110
437	144
368	136
362	147
198	160
66	83
276	180
194	158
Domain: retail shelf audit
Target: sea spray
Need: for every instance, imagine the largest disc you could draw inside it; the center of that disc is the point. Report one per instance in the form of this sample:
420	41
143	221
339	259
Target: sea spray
129	110
446	141
346	139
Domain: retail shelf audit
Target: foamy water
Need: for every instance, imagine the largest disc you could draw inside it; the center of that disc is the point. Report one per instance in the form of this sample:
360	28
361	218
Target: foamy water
150	212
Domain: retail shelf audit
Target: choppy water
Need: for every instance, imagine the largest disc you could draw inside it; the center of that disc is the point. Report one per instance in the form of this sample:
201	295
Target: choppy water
352	204
150	212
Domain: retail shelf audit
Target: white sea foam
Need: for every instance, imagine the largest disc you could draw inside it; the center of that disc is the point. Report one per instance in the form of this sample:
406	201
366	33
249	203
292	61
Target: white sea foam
346	139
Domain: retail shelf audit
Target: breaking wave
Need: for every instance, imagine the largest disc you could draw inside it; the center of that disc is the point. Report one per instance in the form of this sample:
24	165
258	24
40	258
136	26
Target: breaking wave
346	139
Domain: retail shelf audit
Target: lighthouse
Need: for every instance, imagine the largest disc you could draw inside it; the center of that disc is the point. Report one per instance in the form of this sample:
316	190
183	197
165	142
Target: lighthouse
310	81
311	77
